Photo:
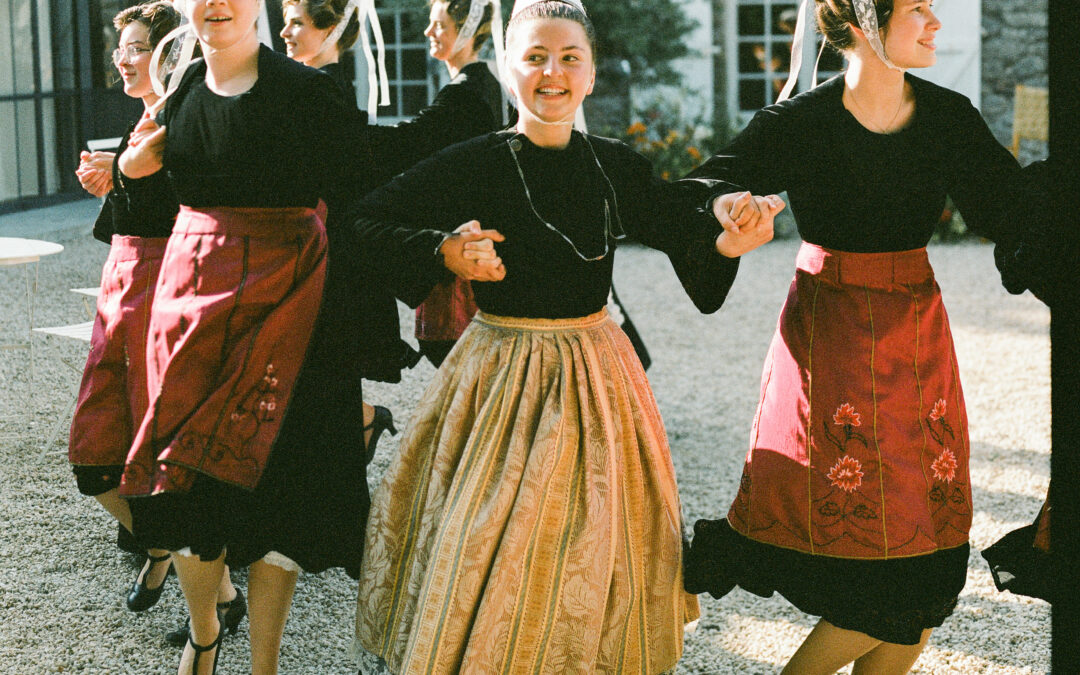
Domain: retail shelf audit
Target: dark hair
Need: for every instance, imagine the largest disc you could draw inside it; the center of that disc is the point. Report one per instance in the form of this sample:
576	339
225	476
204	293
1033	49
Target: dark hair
327	14
459	11
554	9
835	18
159	17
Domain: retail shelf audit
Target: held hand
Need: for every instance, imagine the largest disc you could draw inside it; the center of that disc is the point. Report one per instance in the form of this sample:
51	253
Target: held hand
145	149
95	172
737	240
470	253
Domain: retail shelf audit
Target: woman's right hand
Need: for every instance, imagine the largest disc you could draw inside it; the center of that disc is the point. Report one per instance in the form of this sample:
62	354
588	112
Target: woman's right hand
470	253
95	172
146	146
747	220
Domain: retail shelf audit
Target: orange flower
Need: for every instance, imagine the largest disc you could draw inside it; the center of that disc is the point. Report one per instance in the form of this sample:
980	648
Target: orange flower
694	153
945	466
939	410
666	175
846	474
845	415
636	128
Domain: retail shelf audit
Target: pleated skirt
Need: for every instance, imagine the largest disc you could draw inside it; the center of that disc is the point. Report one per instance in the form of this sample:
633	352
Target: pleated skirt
531	519
112	396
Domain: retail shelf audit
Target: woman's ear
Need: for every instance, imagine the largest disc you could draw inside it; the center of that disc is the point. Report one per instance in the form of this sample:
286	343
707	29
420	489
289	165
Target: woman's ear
592	81
857	32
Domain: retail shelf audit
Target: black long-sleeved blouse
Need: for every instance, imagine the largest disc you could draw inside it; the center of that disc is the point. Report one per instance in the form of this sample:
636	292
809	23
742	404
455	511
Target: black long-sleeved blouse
511	185
851	189
469	106
153	216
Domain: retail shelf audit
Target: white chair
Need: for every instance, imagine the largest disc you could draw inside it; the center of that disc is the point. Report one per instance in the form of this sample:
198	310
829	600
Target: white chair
77	331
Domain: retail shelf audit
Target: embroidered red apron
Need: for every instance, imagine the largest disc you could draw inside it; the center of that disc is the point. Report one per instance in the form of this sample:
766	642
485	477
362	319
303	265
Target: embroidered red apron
446	312
860	444
233	314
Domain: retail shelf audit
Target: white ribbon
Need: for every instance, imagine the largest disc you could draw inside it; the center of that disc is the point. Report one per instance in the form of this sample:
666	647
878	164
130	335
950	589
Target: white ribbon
378	82
183	41
471	24
500	56
339	29
796	53
866	13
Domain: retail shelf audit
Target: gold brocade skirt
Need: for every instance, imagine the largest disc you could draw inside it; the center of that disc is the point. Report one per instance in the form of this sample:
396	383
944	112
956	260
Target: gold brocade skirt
530	521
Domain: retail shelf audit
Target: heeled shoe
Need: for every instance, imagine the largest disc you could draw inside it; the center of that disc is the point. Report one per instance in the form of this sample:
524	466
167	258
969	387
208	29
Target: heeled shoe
200	650
382	420
230	614
141	597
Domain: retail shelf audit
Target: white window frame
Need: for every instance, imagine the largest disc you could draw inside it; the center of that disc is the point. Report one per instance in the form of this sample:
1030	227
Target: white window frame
395	112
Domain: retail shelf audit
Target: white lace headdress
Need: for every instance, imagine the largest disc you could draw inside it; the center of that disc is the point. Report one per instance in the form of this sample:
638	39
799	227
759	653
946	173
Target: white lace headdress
865	14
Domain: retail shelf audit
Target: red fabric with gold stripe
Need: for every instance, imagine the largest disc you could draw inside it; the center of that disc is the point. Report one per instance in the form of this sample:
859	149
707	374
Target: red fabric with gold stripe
112	396
860	444
234	310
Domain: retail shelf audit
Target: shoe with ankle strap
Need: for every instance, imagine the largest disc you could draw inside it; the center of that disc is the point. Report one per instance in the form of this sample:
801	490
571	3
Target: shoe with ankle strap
141	597
383	420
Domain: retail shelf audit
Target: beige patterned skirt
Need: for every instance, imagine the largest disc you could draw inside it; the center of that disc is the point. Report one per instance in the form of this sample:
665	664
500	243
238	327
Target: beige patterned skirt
531	521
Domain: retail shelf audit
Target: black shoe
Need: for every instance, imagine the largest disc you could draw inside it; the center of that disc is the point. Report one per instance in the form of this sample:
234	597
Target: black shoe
383	420
230	614
200	650
141	597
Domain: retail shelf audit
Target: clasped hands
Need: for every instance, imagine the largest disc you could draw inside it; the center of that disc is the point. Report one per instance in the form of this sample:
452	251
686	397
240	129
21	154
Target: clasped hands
747	221
95	172
470	253
146	145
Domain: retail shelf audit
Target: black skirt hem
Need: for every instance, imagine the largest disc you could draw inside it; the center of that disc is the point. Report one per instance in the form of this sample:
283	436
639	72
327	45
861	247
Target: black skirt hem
891	600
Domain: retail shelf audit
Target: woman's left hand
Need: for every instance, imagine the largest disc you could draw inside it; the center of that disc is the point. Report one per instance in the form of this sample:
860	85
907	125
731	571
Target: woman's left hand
747	220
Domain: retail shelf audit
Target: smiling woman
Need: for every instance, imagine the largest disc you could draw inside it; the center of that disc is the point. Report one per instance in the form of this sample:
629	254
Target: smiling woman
246	449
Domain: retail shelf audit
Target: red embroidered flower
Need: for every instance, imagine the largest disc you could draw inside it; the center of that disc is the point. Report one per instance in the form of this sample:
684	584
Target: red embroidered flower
846	474
945	466
939	410
846	415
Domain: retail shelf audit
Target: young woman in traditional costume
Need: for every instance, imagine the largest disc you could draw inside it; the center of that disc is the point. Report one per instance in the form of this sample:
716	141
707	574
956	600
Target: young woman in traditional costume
855	500
470	105
530	518
113	396
246	449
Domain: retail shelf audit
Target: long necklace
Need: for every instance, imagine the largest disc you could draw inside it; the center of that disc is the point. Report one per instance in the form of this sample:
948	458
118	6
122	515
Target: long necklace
515	145
888	125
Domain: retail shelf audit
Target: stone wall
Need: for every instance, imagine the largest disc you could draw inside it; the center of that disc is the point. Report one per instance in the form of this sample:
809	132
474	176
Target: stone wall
1014	51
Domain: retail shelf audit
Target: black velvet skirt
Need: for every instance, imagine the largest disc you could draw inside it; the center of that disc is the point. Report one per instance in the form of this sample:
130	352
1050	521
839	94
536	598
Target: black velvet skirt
891	600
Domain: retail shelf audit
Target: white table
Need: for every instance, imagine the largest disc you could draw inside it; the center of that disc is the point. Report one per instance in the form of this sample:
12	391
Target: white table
15	251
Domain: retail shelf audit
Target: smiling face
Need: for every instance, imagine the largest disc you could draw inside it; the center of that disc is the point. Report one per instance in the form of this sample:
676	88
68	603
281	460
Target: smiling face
220	24
909	35
133	59
302	38
551	69
441	32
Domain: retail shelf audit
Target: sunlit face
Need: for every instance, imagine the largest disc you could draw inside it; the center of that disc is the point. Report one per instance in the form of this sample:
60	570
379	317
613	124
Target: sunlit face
441	32
909	35
220	24
132	59
302	38
551	68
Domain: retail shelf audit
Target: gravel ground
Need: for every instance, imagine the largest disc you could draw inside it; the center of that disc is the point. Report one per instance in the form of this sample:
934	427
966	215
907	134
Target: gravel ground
62	580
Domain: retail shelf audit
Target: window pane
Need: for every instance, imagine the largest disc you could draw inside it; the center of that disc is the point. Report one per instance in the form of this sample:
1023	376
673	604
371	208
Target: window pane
781	58
784	16
22	49
751	20
7	68
9	160
26	132
752	94
389	26
45	53
751	57
48	137
414	99
414	64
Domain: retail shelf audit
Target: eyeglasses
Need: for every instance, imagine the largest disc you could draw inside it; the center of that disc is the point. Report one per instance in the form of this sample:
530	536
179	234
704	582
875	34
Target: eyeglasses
129	53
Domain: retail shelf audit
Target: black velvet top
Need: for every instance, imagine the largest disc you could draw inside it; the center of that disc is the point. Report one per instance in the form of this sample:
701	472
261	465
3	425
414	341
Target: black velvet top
279	144
851	189
337	72
469	106
581	194
153	216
